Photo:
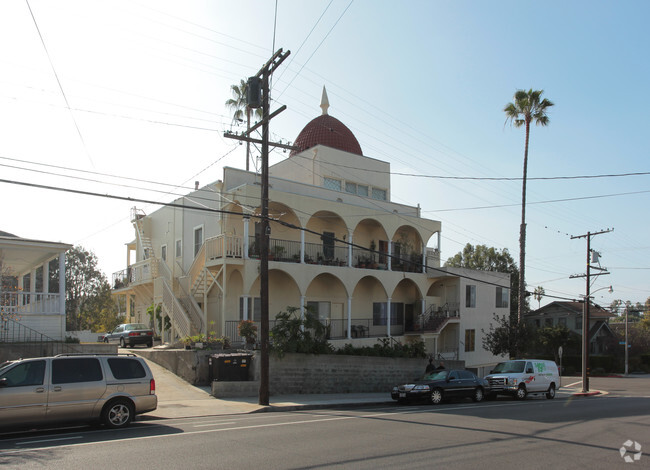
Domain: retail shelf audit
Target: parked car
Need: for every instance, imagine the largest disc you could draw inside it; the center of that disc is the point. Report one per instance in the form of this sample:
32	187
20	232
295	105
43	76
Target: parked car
109	388
520	377
130	334
438	385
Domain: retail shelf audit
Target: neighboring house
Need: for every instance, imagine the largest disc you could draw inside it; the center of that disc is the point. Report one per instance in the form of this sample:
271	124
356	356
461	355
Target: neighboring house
570	314
30	292
338	245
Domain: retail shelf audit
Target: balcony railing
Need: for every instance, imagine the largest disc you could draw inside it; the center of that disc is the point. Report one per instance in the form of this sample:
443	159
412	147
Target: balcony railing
137	273
20	303
338	329
434	319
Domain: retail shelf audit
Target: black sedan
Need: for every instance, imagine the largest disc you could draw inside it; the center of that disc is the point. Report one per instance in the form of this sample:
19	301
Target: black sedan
130	334
438	385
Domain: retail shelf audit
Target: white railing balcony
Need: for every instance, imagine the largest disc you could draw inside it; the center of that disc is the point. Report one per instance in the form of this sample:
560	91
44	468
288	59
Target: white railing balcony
29	303
141	272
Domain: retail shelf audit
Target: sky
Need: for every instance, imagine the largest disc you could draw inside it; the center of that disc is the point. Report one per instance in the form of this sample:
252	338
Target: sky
127	98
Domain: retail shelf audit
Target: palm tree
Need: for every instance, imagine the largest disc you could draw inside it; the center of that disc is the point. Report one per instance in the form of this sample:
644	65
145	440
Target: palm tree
539	293
527	107
237	104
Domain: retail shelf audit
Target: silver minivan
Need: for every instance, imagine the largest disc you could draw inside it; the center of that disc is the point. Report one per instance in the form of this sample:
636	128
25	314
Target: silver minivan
110	388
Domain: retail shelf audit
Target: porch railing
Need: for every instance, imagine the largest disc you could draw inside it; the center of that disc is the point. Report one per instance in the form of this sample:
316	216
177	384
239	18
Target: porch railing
20	303
140	272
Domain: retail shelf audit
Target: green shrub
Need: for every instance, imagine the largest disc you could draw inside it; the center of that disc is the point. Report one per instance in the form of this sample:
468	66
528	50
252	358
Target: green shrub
386	347
292	334
72	339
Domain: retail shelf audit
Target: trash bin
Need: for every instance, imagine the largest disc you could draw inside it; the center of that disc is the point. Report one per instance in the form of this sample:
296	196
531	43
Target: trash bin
229	367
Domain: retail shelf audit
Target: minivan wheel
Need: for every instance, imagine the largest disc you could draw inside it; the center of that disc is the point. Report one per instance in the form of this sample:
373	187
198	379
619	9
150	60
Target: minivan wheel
118	414
122	343
521	393
550	393
436	396
478	395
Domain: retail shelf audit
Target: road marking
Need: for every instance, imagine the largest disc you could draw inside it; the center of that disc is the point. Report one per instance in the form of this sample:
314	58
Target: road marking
48	440
213	424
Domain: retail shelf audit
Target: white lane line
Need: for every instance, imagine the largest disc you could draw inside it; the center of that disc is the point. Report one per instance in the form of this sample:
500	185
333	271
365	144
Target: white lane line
213	424
48	440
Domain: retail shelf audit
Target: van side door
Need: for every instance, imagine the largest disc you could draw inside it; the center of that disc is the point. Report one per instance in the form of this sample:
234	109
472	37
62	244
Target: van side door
23	393
77	384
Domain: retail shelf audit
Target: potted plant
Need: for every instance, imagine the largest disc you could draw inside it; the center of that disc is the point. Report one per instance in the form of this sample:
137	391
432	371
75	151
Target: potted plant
248	331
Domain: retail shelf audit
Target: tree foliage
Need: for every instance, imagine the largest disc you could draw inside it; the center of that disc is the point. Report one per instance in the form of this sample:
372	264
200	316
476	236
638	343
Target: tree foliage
507	336
552	337
484	258
293	334
89	304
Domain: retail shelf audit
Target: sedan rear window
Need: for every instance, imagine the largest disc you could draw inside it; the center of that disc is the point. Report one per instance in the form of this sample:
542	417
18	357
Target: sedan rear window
135	326
123	368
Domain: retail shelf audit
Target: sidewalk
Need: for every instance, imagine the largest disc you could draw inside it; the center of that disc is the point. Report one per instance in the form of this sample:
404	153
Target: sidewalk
179	399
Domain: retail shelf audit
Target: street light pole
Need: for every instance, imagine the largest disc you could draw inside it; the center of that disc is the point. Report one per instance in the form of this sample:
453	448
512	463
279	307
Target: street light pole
626	345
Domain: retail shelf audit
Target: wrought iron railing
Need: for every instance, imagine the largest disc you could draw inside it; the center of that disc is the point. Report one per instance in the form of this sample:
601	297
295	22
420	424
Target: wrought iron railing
27	342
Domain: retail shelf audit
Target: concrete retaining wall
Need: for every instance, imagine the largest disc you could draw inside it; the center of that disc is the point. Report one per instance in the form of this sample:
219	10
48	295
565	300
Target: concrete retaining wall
12	351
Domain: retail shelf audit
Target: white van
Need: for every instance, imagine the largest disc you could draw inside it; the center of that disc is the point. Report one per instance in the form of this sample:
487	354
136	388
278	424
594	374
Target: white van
523	376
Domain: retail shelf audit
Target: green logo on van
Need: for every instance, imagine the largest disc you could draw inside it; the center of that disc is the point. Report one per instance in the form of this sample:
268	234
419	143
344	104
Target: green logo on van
540	367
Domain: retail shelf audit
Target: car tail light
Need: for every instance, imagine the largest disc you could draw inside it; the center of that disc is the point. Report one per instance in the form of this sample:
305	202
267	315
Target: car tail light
149	333
152	387
134	334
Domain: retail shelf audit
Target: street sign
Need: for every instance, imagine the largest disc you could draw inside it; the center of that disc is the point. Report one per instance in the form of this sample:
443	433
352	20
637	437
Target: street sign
559	351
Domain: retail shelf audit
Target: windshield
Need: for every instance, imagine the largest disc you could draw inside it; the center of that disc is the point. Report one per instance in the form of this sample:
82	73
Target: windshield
136	326
436	375
509	367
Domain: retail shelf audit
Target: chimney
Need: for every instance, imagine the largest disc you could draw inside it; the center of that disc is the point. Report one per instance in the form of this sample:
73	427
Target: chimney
196	186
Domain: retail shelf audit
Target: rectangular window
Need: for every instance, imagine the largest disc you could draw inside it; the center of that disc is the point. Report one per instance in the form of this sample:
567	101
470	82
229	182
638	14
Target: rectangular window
561	321
125	369
537	323
27	281
328	245
179	249
470	296
331	183
362	190
470	338
548	322
322	309
502	296
379	194
53	269
254	309
380	316
350	188
76	370
578	323
163	252
198	239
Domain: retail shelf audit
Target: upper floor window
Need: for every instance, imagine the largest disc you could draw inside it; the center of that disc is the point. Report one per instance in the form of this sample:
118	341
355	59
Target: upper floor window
502	297
198	239
470	296
358	189
379	194
179	249
331	183
163	252
470	339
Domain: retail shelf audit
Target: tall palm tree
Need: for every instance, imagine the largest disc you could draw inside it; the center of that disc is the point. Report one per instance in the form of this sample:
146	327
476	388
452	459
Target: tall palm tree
238	106
528	107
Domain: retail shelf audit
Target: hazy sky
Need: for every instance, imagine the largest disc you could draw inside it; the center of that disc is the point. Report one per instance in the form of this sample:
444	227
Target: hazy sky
136	89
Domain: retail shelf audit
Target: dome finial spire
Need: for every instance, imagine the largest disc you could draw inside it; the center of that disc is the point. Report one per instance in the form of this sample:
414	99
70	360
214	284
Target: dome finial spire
324	102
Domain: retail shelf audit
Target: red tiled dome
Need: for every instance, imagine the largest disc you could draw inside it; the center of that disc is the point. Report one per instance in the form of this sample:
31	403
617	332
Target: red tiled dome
329	131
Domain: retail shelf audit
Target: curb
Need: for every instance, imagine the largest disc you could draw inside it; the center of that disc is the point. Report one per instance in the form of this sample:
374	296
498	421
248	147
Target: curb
587	394
316	406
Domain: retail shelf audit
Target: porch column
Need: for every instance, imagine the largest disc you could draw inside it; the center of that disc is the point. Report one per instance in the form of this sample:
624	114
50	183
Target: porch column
246	223
350	234
245	306
46	281
302	247
349	328
424	305
62	284
32	288
388	317
390	257
424	260
302	307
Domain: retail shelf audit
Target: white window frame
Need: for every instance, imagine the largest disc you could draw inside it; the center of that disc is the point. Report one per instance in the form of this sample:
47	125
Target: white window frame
178	248
470	296
163	252
194	230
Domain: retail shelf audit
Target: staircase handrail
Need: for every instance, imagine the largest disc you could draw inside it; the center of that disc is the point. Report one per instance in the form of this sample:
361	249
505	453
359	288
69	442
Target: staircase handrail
191	307
175	310
12	331
197	265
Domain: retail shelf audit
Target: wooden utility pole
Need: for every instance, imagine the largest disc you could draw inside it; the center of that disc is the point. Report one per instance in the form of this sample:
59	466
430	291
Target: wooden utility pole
585	314
264	74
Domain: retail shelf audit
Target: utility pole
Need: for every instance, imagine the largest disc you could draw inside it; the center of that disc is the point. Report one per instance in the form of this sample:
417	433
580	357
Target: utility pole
254	87
585	315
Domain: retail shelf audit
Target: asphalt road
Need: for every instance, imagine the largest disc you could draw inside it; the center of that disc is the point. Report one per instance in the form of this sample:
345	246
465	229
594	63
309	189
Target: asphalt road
537	433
